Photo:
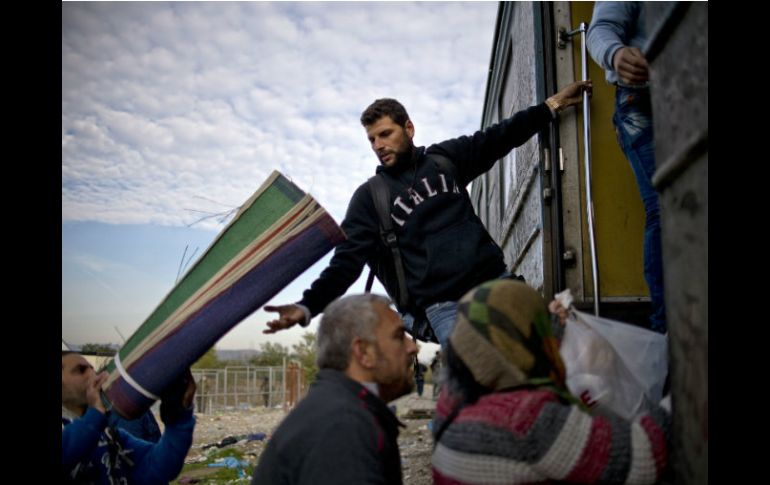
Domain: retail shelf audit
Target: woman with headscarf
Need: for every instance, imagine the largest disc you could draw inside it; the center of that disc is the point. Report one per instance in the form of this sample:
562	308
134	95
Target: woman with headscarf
505	415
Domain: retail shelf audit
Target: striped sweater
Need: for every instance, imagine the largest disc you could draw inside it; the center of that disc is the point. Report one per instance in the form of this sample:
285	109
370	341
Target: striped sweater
530	436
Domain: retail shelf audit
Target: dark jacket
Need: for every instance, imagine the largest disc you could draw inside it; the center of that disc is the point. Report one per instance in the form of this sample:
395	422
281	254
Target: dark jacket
445	248
339	434
90	456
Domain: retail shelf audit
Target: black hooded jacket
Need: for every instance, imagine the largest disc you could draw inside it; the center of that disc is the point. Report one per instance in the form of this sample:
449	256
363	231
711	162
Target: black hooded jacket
445	248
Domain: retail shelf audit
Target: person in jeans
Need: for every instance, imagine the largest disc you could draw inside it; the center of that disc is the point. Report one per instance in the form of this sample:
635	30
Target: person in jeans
444	246
615	39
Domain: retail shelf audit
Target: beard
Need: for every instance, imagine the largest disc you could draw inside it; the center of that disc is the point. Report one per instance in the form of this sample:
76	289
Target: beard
393	384
390	391
404	155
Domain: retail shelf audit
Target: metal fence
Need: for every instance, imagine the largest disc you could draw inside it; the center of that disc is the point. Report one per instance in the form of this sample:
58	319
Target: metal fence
248	387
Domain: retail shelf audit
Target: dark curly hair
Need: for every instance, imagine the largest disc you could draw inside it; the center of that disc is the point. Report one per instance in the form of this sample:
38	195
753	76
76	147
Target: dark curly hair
385	107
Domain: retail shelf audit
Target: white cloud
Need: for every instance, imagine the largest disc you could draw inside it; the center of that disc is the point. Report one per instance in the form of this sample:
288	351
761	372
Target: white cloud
164	103
92	263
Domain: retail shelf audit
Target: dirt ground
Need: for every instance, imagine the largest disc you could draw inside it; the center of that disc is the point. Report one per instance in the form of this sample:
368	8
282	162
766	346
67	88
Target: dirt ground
416	447
415	441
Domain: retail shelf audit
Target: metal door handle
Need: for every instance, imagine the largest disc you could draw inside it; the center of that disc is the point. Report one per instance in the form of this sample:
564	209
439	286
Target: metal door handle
563	38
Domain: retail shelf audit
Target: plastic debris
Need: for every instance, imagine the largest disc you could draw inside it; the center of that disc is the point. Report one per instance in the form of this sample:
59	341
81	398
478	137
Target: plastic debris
229	462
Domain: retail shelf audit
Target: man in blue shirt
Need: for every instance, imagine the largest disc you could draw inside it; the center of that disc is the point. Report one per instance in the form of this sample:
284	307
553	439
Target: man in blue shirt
144	427
93	452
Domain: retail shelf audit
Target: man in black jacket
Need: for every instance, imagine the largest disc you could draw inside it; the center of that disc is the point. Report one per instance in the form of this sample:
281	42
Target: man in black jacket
343	431
444	246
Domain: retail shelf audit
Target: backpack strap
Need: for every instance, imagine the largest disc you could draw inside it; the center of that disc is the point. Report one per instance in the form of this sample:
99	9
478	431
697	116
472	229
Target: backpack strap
369	281
381	198
374	187
445	164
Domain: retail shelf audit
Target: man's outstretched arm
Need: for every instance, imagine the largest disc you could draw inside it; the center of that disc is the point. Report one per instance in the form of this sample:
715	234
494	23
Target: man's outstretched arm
288	316
361	227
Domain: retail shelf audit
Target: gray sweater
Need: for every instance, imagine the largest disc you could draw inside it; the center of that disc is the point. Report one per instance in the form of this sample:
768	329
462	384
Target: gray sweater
615	25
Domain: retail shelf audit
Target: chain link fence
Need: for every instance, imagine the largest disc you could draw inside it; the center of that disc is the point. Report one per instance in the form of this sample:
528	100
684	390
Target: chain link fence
248	387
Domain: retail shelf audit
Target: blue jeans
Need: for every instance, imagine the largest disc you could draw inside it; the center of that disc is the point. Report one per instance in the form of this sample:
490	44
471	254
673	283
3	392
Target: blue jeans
441	317
633	126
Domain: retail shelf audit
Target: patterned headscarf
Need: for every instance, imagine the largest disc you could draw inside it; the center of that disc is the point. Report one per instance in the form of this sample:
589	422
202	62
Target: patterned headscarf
503	335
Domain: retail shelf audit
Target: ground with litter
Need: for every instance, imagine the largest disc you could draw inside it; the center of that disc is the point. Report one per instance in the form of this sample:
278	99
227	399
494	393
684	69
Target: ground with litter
227	445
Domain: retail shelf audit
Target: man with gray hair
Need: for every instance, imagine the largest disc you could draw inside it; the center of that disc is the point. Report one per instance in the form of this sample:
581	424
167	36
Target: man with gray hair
343	431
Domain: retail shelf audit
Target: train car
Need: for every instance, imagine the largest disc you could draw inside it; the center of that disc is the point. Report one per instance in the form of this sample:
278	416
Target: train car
534	201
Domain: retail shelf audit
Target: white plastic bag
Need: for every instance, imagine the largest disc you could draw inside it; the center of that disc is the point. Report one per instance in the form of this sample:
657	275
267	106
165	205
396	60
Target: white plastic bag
613	366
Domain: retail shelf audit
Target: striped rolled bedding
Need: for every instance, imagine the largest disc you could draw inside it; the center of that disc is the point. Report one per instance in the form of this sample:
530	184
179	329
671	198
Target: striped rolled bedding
276	235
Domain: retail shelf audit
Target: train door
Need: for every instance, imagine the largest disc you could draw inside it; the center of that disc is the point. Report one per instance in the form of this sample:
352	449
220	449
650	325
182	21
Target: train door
618	211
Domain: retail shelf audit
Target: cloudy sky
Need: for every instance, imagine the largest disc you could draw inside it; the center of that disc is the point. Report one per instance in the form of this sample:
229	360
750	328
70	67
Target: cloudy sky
175	113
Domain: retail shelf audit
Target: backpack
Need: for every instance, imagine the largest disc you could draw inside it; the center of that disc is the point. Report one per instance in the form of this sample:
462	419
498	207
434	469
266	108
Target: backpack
387	264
